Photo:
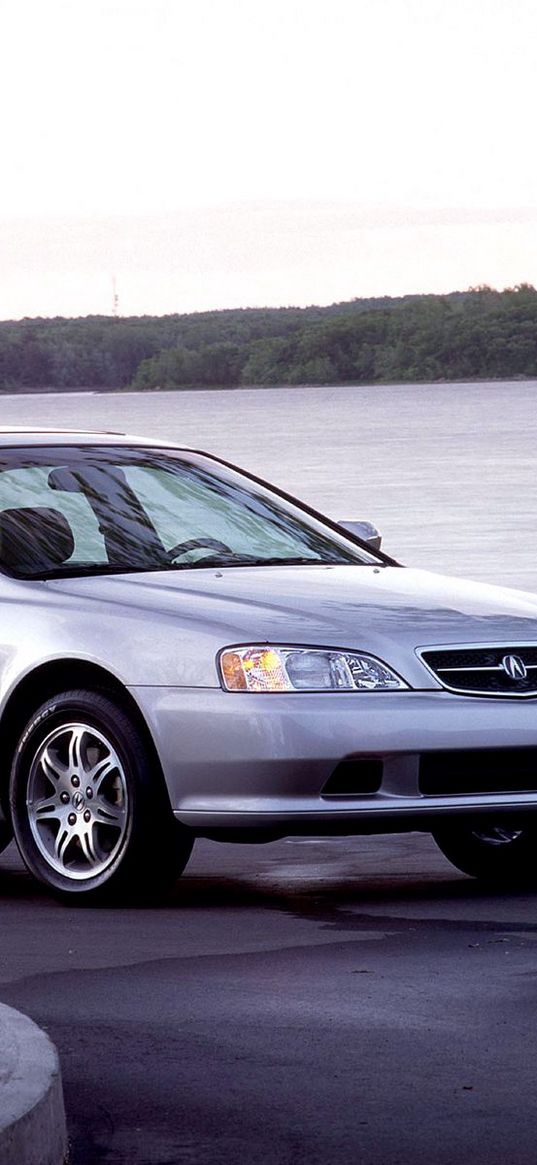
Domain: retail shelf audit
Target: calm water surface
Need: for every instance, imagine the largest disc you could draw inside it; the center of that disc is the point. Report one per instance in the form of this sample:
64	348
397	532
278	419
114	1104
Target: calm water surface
447	472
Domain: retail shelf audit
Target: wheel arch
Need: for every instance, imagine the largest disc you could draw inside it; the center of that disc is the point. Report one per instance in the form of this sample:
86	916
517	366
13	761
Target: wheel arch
49	680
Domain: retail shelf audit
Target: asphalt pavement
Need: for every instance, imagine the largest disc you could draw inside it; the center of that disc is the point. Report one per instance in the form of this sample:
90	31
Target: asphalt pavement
349	1001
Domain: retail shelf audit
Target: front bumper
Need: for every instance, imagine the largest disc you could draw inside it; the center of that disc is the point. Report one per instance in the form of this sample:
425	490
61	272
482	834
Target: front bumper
242	760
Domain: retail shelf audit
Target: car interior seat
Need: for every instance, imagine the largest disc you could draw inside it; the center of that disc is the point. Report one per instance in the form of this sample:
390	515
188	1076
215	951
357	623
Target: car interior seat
34	538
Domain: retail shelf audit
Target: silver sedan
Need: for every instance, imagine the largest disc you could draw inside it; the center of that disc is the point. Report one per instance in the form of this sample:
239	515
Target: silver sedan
186	651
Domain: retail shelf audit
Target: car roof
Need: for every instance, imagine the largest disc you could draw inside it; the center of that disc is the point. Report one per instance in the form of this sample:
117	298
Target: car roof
13	435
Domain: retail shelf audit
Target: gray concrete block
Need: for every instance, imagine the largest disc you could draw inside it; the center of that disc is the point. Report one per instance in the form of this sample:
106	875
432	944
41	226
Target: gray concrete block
32	1116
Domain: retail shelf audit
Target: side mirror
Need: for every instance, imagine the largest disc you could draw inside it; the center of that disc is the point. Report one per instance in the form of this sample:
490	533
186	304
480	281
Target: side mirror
364	530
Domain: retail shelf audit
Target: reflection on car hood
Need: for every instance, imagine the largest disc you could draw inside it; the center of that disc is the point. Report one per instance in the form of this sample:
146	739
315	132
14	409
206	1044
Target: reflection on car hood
345	605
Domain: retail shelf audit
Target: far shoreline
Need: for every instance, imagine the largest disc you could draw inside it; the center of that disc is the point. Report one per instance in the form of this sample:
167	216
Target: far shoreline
100	390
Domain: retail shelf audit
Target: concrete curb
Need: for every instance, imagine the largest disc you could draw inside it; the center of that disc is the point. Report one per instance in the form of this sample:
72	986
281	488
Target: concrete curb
32	1116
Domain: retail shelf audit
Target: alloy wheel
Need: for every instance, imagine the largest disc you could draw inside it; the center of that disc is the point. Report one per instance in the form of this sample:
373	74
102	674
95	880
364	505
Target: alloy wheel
78	801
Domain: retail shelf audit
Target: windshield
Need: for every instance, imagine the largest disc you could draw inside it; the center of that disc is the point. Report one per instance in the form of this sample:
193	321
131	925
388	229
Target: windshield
97	510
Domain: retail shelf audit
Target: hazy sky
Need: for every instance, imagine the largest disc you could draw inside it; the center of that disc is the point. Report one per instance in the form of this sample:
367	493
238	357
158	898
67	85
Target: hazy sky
218	153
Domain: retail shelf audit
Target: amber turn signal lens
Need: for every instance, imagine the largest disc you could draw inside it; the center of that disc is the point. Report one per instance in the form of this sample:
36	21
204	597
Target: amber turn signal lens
232	672
254	669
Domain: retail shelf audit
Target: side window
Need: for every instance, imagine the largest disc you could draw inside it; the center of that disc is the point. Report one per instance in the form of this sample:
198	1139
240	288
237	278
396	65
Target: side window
29	487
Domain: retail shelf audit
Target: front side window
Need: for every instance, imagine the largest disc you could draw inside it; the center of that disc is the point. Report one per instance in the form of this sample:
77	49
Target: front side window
99	509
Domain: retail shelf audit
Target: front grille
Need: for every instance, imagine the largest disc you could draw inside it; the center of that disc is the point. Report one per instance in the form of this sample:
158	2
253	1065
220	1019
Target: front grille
489	770
491	671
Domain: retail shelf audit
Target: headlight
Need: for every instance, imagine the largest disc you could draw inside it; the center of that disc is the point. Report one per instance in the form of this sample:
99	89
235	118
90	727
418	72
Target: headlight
304	669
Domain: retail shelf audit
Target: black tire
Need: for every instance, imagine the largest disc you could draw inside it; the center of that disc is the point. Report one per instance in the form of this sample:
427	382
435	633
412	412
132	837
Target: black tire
501	851
90	814
6	835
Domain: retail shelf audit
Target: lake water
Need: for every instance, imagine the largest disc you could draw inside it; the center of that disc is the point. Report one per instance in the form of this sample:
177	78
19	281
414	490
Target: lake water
447	472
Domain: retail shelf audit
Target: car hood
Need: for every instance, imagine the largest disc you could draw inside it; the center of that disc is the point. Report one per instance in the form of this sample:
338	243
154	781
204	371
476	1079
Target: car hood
348	606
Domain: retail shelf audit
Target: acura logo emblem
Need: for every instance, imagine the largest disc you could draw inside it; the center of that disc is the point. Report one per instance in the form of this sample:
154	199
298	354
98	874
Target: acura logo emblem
514	666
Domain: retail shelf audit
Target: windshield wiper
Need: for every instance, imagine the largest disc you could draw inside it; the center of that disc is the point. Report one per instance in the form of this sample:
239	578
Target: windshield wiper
209	563
84	571
247	560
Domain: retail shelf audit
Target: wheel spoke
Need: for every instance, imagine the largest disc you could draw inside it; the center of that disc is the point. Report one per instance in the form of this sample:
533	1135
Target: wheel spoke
108	814
63	837
48	809
497	835
76	765
52	767
101	770
86	839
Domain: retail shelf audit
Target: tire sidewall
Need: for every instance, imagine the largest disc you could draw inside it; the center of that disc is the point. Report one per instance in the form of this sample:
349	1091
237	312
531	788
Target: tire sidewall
6	835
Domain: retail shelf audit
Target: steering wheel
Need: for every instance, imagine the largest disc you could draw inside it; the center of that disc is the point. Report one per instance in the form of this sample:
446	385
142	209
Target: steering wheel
194	544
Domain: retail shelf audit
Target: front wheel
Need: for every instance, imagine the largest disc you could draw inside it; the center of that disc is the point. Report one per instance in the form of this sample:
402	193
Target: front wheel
502	851
90	815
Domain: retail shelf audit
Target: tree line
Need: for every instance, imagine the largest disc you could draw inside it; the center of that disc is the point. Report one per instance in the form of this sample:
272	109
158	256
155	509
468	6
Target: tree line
480	333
